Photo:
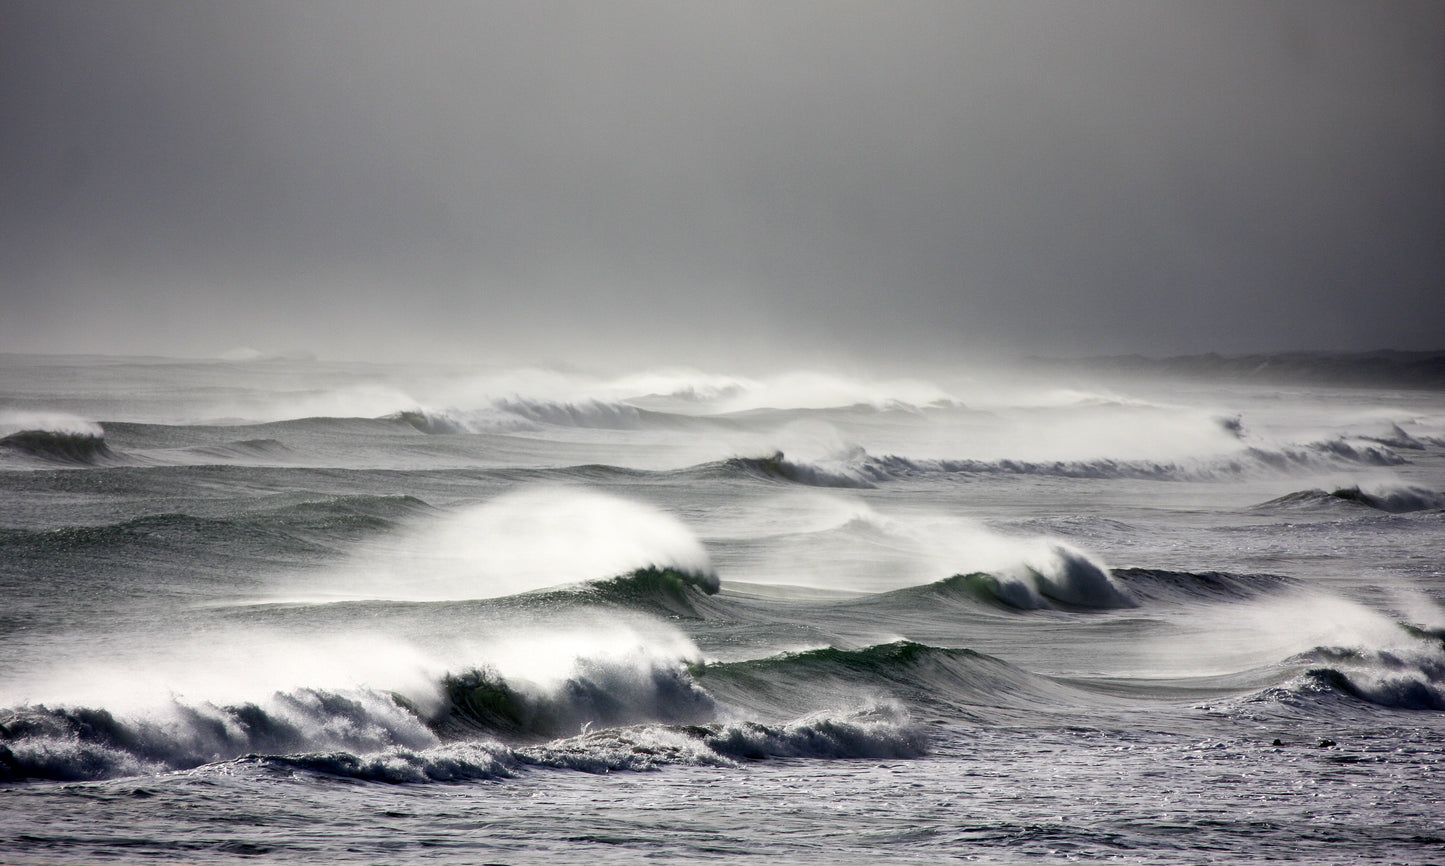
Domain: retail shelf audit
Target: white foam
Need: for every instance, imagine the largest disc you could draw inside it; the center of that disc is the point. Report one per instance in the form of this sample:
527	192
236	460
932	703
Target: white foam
522	541
16	420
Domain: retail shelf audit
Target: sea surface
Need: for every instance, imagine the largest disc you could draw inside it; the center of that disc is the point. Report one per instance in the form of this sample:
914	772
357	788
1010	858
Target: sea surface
286	610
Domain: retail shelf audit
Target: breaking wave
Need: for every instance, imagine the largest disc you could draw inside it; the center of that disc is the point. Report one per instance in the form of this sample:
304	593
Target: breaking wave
1074	583
1399	678
59	446
602	691
630	710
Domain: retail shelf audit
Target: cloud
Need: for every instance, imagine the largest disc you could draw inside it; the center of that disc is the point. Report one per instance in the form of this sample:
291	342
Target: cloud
721	181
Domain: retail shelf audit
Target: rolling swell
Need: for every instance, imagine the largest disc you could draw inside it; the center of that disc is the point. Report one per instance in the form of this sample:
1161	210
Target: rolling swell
954	680
1154	584
244	450
299	527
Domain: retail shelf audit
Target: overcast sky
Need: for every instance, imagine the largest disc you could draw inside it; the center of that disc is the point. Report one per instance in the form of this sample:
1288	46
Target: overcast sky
713	182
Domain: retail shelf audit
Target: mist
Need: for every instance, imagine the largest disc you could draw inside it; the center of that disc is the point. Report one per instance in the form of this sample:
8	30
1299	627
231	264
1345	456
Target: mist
721	183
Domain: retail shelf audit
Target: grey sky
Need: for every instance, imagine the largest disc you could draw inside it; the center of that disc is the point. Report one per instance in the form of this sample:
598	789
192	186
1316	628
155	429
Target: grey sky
715	182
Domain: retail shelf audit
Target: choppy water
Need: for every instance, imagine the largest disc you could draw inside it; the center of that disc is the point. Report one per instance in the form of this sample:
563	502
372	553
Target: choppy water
290	610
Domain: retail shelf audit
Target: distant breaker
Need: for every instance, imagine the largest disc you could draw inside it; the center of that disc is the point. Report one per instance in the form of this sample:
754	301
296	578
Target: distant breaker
1386	368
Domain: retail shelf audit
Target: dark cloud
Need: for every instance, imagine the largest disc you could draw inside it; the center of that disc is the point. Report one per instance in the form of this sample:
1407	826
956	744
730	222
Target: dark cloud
721	181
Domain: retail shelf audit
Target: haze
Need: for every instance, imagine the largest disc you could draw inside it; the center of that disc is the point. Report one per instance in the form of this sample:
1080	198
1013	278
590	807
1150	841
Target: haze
718	183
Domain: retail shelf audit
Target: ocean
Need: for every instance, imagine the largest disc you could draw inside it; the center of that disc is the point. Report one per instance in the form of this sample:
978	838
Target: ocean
290	610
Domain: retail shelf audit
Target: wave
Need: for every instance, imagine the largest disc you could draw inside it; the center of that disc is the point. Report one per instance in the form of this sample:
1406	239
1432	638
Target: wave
665	591
1076	584
1398	438
602	692
88	743
1399	678
875	733
379	511
957	681
517	414
633	710
858	469
1387	368
1372	662
777	467
57	446
1392	499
